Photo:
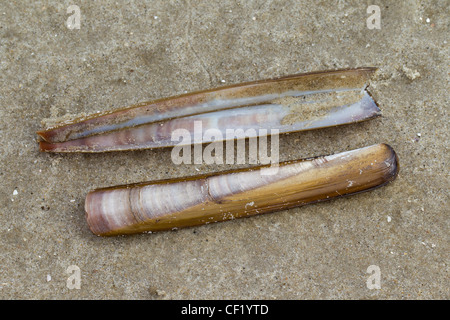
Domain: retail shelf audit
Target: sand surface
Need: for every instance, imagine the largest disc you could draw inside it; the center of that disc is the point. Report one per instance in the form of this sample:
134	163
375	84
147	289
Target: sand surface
129	52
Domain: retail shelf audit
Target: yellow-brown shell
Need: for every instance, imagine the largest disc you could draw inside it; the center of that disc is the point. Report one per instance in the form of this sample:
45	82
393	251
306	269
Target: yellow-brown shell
184	202
289	104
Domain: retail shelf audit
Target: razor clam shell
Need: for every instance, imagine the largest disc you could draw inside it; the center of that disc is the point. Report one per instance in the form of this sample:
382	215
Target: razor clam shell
289	104
178	203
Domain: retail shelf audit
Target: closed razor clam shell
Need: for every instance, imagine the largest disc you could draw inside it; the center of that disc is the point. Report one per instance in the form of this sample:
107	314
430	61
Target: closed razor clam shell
178	203
294	103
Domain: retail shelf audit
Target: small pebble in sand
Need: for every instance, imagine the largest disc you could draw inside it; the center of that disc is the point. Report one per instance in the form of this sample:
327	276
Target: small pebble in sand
411	74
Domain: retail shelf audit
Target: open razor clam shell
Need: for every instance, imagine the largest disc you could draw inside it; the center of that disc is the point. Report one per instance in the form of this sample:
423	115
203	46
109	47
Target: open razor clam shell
289	104
178	203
